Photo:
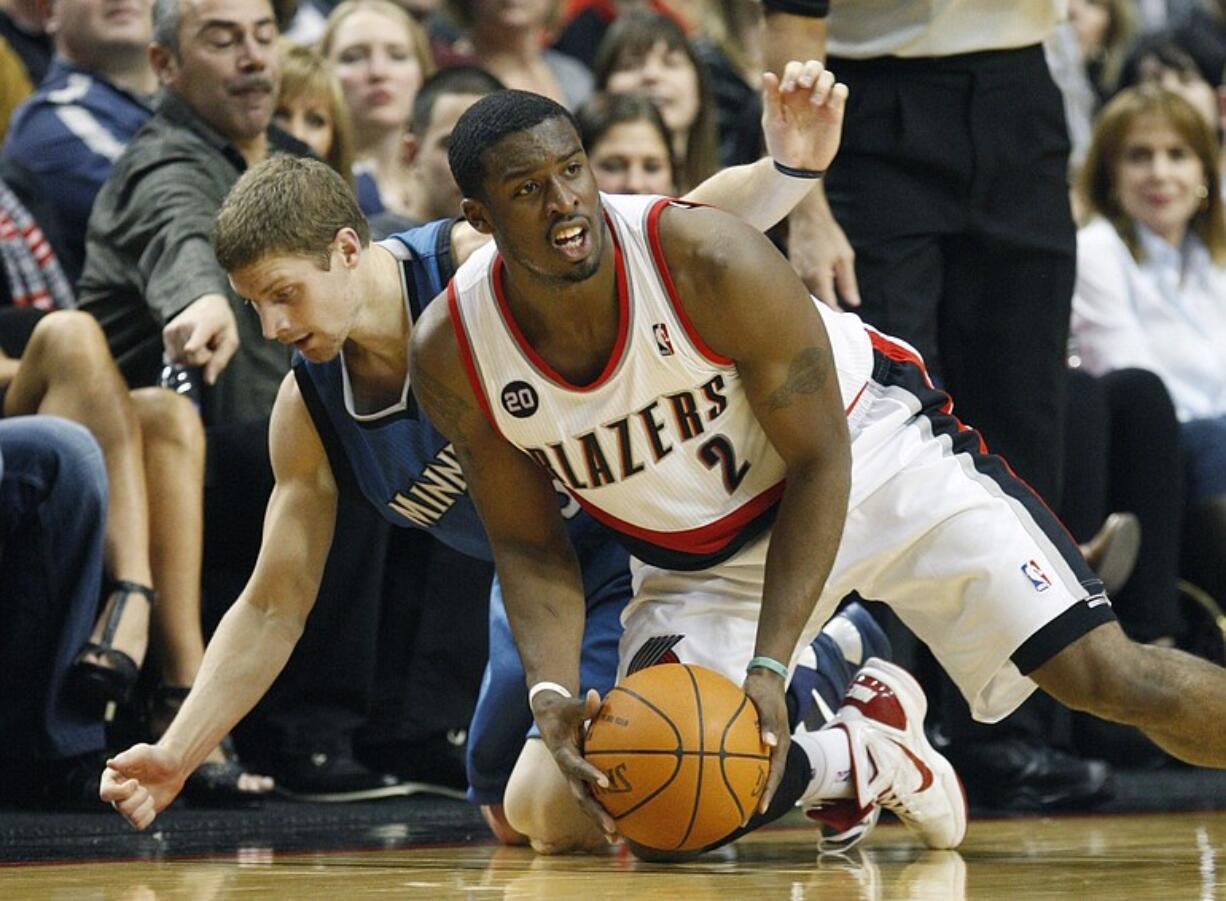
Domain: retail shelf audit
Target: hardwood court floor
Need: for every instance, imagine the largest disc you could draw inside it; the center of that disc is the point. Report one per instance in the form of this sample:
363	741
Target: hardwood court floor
1123	857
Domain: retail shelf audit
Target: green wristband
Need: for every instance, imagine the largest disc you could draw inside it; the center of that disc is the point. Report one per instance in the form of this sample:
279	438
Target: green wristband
769	663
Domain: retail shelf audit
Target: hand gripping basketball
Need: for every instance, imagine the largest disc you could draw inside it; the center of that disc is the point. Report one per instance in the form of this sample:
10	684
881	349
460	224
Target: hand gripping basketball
560	720
682	748
766	690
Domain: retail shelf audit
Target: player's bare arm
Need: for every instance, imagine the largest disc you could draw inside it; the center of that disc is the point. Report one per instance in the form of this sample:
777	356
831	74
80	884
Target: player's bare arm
748	304
817	246
537	567
256	636
802	121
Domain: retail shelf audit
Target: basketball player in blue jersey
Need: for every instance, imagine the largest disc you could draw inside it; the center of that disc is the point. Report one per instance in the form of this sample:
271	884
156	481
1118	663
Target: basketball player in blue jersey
348	310
761	455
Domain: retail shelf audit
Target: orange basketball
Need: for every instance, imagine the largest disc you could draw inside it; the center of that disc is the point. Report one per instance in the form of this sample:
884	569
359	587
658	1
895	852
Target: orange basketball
682	748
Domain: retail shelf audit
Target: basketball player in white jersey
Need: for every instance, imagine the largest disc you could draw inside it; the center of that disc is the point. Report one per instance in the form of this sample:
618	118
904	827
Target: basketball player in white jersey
761	456
282	217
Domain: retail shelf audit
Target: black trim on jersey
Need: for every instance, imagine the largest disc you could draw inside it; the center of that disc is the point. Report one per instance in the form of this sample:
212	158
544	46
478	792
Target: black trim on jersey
1076	620
410	283
1061	632
442	252
667	558
342	471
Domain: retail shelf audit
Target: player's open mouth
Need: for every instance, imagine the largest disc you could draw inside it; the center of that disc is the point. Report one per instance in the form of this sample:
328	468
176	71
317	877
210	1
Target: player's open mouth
302	342
571	239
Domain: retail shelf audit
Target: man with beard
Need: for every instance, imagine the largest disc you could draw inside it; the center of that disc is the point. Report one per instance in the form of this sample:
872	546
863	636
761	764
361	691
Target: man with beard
148	260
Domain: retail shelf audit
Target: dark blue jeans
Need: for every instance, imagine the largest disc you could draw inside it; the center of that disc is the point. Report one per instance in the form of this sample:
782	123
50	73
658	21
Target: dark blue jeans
1204	442
52	516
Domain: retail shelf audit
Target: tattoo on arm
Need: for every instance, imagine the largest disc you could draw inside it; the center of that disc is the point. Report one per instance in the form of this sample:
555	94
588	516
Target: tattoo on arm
807	373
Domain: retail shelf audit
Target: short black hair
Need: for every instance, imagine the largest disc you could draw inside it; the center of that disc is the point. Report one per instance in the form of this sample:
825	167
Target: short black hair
471	80
487	122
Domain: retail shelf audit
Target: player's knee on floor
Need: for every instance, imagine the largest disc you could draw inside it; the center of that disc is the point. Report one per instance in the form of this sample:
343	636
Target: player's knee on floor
495	817
538	803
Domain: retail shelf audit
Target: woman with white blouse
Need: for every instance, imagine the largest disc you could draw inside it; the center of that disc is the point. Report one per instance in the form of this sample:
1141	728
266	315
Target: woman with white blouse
1151	285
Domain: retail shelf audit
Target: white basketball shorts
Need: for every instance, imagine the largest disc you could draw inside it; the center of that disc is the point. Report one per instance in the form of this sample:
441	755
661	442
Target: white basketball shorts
964	552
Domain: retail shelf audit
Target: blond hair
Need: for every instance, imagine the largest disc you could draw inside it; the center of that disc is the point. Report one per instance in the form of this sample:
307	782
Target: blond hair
306	74
285	206
1097	186
418	38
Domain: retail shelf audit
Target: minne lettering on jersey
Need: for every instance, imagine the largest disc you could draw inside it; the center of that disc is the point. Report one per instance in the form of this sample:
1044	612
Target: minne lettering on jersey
427	498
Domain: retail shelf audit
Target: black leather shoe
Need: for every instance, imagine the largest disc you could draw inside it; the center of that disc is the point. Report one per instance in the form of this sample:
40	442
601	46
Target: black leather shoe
1026	775
1123	746
338	777
435	764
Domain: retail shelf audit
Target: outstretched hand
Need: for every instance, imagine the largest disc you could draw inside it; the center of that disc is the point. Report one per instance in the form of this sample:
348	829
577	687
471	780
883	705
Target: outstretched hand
141	782
204	334
766	690
802	114
561	723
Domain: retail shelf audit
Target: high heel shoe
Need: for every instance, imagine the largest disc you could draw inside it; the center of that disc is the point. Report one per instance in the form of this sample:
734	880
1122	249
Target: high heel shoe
213	784
96	684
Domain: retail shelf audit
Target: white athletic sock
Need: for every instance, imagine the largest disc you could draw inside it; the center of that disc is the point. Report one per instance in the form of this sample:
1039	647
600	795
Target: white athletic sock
830	762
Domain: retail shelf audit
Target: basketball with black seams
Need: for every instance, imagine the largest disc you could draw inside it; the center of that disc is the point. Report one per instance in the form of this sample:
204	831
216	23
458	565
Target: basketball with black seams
682	749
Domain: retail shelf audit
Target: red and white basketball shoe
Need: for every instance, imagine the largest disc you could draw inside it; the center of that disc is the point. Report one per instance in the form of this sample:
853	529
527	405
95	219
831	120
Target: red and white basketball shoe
893	765
842	823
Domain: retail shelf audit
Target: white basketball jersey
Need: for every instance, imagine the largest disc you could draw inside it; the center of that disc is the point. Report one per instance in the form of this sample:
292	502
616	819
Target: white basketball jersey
663	446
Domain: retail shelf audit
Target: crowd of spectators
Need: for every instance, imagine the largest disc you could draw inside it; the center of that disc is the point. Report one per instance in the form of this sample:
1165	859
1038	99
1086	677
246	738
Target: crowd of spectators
1036	205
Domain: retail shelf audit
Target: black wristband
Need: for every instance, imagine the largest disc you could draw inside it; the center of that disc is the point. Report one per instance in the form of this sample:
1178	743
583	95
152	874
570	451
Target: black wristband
793	172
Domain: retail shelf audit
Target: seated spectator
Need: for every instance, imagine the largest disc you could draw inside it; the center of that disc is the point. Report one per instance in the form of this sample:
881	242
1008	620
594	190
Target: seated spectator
629	145
506	39
381	56
95	97
1160	59
1202	32
52	514
1151	275
586	21
32	274
311	107
1104	32
150	277
727	37
433	194
1085	54
645	52
153	447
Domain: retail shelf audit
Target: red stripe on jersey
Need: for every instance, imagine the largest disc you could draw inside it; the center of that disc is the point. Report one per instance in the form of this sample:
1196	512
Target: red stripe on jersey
855	400
703	540
904	354
657	252
623	323
466	355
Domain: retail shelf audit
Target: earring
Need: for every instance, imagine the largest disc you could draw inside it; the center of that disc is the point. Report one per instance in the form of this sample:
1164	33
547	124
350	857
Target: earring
1202	191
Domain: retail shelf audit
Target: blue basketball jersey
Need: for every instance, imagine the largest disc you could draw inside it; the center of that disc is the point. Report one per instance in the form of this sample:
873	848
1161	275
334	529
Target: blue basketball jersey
405	466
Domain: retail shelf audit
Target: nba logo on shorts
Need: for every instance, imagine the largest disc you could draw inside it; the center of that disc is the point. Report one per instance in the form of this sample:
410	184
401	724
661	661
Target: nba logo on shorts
1032	571
664	344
